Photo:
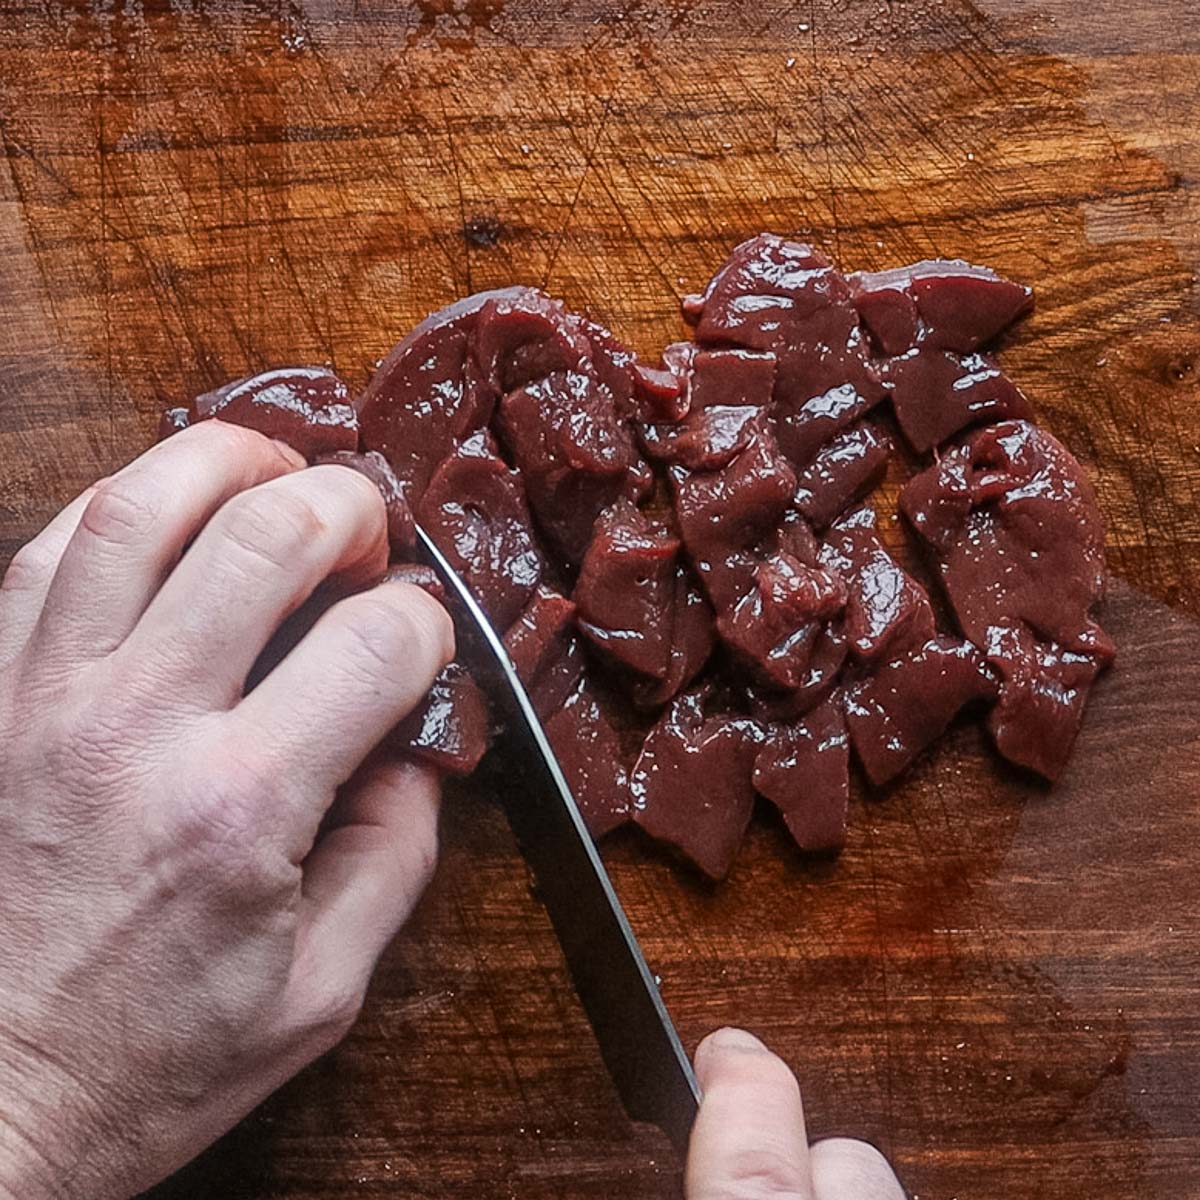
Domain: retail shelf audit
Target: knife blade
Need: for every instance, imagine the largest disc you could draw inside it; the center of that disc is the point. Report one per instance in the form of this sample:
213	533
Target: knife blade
637	1039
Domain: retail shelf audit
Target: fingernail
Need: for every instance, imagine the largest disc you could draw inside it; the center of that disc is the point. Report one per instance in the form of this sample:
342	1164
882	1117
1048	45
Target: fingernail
736	1041
731	1038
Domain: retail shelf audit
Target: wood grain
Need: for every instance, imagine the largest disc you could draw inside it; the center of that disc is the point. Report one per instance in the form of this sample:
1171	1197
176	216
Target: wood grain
998	984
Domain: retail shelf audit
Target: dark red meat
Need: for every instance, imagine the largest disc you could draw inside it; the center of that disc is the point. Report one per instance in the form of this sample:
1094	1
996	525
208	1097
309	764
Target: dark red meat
843	470
429	394
936	393
680	502
450	728
707	439
626	589
309	408
1043	690
940	304
691	785
616	367
723	514
475	511
729	378
1016	531
887	610
576	455
907	702
803	769
522	335
691	643
788	300
774	628
589	753
545	650
824	670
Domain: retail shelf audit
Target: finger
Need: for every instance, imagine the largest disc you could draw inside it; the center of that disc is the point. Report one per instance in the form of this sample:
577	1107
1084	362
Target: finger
258	559
366	664
367	872
136	524
845	1169
27	580
749	1141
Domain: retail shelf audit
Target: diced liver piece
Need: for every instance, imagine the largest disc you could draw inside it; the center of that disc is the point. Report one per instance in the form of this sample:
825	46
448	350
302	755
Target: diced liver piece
475	511
522	335
615	365
774	628
429	394
908	701
707	439
1013	522
887	610
576	455
589	753
691	643
722	515
803	769
787	299
940	304
309	408
843	470
730	379
691	785
402	535
1043	691
824	670
450	728
936	393
626	589
545	650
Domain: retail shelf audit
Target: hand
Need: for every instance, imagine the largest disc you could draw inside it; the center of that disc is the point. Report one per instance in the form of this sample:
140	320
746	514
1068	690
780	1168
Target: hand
749	1141
184	923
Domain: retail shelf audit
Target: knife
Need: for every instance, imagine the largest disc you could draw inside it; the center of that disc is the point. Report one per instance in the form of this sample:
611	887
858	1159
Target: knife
637	1040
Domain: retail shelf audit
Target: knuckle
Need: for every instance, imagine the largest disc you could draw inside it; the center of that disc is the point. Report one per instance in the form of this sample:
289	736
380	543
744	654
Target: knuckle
333	1010
239	441
851	1159
429	622
354	484
384	631
123	509
218	818
425	857
270	527
31	567
95	736
762	1173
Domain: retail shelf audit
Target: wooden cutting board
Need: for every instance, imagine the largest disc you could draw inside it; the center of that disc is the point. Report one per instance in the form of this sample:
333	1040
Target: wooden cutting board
997	983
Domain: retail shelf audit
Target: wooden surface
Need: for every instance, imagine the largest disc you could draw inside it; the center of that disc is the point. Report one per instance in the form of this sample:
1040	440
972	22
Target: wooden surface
998	984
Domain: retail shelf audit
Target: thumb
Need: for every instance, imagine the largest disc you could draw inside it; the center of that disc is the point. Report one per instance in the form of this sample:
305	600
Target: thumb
749	1141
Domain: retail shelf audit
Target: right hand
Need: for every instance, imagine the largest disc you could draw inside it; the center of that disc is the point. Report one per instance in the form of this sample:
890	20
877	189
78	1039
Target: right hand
749	1141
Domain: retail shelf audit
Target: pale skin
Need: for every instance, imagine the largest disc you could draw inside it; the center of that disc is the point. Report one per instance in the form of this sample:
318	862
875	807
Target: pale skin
198	882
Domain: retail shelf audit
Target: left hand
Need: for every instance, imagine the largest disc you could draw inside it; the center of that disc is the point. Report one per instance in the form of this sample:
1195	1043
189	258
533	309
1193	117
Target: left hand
185	921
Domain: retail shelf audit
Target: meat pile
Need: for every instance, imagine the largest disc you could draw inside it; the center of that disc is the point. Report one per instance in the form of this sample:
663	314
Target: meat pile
700	605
